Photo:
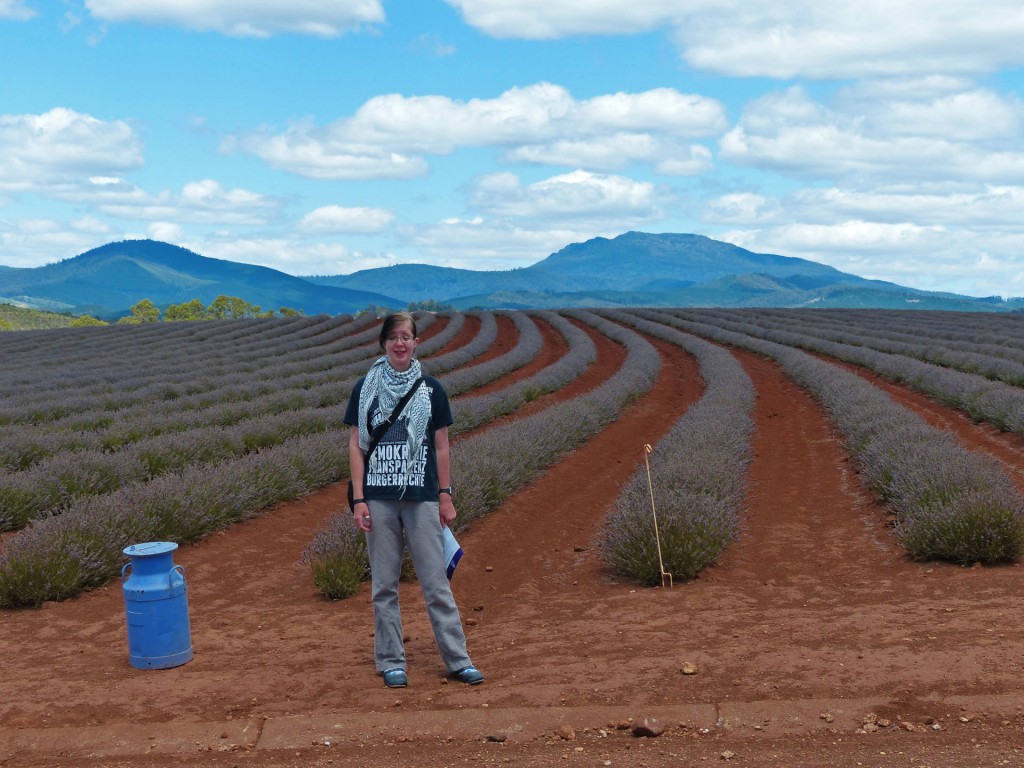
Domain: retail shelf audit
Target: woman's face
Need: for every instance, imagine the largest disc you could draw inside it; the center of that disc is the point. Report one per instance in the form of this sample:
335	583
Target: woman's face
400	345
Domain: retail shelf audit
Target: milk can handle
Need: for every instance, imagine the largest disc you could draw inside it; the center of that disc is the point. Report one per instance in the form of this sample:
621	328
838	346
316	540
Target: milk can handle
125	568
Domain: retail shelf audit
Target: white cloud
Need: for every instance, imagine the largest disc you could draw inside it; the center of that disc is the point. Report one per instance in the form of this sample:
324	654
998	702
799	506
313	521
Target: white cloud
579	194
790	133
63	147
204	201
610	153
15	10
977	206
294	257
542	19
690	161
742	208
491	244
37	241
935	107
839	39
315	154
334	219
245	18
810	38
387	136
166	231
432	45
963	260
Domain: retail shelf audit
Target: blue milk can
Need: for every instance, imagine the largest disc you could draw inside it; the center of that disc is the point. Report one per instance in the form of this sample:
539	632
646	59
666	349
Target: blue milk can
156	605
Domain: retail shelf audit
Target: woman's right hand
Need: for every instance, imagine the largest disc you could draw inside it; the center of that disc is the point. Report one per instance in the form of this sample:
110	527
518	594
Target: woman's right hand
361	515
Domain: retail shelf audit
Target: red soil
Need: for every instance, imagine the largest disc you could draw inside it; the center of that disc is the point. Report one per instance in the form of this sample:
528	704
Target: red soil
812	624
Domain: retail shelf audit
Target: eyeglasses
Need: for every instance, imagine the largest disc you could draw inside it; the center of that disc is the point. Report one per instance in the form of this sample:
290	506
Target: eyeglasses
395	339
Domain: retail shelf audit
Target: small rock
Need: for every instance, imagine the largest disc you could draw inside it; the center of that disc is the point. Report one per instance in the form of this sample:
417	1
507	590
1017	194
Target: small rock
565	732
648	727
578	548
688	668
489	568
728	754
471	622
498	738
827	717
624	725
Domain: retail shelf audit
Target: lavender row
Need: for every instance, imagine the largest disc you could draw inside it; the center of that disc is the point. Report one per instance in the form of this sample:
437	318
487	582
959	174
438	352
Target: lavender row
992	361
1002	332
57	483
490	466
474	411
196	371
61	556
698	473
950	503
151	448
493	464
146	353
528	345
995	402
266	376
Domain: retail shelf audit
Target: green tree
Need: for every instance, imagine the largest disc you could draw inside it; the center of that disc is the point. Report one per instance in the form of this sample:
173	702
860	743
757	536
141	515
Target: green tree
192	310
289	312
83	321
376	310
225	307
430	305
144	311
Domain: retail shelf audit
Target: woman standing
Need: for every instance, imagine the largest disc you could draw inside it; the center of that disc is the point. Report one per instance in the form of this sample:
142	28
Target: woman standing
403	491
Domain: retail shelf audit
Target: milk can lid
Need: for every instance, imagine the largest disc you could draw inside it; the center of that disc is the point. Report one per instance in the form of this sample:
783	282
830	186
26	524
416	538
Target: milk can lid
150	548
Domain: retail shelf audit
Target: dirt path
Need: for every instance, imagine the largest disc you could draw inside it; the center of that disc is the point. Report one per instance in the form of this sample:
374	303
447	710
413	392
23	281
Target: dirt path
815	611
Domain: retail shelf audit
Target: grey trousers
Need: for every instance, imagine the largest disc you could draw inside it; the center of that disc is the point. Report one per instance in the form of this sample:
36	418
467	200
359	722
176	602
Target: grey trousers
421	525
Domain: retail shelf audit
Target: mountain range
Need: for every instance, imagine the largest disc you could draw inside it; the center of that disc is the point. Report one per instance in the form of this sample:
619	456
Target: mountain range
633	269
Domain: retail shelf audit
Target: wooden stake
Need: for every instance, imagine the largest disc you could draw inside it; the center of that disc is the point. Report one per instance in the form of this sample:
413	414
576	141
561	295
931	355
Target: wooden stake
657	537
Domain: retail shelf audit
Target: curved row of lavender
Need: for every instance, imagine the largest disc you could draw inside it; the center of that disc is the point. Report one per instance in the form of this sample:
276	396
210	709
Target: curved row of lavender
907	336
982	398
698	472
78	545
950	503
493	464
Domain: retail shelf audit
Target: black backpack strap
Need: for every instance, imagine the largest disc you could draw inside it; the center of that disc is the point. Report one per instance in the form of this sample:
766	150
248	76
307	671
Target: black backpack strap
381	429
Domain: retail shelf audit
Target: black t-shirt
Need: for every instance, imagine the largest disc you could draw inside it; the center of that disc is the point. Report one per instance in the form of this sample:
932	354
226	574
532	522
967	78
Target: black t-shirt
388	481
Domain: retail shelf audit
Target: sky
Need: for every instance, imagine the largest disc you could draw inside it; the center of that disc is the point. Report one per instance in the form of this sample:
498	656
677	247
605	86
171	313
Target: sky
321	137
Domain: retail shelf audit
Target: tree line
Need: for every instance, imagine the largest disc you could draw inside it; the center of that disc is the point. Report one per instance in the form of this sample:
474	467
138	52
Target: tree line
221	308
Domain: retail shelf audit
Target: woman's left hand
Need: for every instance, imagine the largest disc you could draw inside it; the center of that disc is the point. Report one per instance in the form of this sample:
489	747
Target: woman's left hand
447	507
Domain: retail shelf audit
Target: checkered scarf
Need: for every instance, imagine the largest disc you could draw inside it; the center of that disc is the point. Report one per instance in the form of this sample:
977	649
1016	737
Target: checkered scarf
388	386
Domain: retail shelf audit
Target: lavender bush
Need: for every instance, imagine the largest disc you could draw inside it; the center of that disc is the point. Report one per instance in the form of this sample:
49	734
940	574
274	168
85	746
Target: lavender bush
697	474
950	503
337	558
59	556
